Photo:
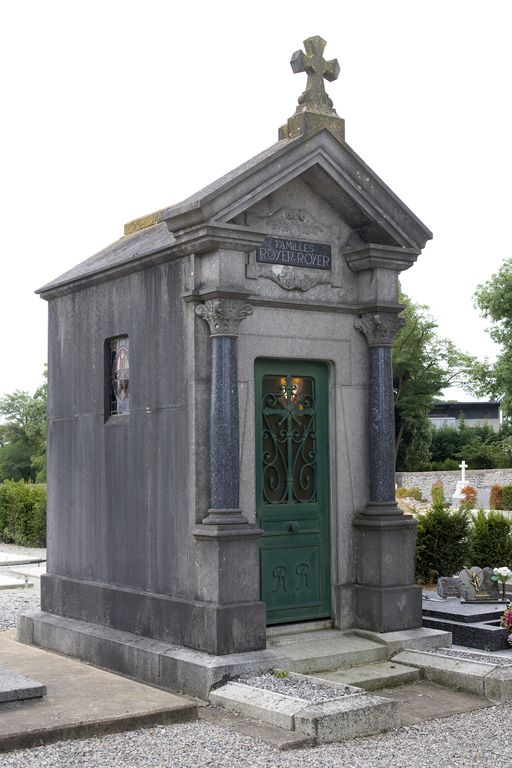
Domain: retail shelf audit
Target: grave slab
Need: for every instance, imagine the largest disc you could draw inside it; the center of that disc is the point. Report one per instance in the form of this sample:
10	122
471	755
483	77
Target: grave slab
474	625
16	687
344	716
484	676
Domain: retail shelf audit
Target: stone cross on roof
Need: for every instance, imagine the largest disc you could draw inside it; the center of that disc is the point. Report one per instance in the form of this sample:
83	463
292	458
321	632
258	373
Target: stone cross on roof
315	110
317	68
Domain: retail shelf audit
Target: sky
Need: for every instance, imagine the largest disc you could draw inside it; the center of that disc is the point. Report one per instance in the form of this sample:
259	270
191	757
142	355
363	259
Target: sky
113	109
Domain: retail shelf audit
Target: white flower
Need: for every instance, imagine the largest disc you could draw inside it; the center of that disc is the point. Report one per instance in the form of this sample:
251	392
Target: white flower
503	572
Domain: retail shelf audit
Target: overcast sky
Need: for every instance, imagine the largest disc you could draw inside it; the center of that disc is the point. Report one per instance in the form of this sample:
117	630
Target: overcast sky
115	108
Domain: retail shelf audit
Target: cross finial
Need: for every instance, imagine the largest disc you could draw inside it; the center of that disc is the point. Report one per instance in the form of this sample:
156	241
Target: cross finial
317	68
315	111
463	466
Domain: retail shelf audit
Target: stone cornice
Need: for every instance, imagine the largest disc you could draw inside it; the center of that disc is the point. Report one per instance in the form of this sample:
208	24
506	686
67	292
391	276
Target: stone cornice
375	256
208	237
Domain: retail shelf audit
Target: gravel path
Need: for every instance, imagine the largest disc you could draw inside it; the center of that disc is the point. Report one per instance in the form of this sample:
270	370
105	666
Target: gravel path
479	739
476	740
14	601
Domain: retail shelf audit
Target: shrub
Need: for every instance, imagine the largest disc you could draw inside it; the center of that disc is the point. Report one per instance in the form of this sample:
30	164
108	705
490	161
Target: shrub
408	493
491	540
442	546
468	497
437	493
496	497
446	465
23	513
506	495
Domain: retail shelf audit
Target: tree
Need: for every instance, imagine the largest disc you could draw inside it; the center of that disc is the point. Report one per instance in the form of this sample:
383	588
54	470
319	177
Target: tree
423	365
23	435
494	299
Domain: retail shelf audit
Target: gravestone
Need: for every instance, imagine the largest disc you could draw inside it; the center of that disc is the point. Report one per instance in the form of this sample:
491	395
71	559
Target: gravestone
449	586
483	496
221	416
478	586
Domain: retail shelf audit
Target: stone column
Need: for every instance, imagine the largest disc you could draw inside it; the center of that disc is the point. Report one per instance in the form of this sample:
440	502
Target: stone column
379	331
227	544
223	317
387	598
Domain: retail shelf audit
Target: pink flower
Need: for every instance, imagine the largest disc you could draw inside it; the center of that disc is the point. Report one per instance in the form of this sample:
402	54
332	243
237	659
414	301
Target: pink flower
506	618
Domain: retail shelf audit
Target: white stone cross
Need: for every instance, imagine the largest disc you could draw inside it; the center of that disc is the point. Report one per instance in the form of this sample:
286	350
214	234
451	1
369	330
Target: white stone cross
463	466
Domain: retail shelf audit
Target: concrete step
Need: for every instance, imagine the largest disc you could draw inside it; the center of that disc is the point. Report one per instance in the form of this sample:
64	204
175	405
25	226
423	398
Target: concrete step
325	650
479	674
372	677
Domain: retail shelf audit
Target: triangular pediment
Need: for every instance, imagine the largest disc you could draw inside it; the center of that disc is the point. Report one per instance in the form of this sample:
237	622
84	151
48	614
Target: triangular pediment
332	171
326	166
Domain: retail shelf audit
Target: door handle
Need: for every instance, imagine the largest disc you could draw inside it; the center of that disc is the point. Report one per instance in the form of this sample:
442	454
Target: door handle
293	527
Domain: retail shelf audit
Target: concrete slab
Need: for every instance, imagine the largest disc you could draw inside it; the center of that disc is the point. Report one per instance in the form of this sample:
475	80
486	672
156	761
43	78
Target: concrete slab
373	677
11	582
82	701
423	701
16	687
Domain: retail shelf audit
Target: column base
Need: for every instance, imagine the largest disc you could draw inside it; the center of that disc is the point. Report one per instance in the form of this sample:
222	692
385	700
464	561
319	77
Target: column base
224	517
388	609
386	596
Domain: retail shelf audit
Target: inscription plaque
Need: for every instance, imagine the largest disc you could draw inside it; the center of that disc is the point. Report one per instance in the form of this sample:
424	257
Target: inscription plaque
295	253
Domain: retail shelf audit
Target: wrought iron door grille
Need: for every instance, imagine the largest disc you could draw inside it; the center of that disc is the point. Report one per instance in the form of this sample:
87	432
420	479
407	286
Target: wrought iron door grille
289	452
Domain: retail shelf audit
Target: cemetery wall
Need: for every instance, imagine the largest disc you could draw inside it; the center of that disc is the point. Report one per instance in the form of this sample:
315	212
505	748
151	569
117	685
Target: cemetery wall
478	478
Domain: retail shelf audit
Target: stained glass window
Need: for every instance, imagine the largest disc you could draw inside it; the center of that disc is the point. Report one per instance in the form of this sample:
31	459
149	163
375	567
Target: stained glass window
119	375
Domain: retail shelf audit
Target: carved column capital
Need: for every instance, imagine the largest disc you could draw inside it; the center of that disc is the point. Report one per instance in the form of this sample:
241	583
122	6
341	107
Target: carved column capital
224	315
379	328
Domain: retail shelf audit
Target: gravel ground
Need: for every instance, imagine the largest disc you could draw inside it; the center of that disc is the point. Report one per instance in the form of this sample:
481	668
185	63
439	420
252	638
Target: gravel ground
308	690
478	739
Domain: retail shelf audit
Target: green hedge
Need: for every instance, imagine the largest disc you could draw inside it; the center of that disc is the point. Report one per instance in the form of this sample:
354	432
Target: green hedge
23	513
491	540
442	546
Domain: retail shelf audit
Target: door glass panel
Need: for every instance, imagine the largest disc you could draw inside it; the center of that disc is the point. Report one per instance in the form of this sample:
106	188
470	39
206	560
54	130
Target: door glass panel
289	454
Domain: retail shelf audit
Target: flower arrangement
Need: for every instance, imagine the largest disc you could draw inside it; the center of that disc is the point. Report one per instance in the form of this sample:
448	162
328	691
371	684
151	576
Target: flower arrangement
502	574
506	622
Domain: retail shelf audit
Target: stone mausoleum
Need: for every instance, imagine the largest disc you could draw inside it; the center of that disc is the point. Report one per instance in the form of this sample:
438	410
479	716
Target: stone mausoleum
221	421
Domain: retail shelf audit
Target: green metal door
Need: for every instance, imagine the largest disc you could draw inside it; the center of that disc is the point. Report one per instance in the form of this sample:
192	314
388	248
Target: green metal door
292	489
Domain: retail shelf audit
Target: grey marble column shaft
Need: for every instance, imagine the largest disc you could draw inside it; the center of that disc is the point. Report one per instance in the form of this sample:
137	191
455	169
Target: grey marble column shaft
223	316
379	330
381	410
224	437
